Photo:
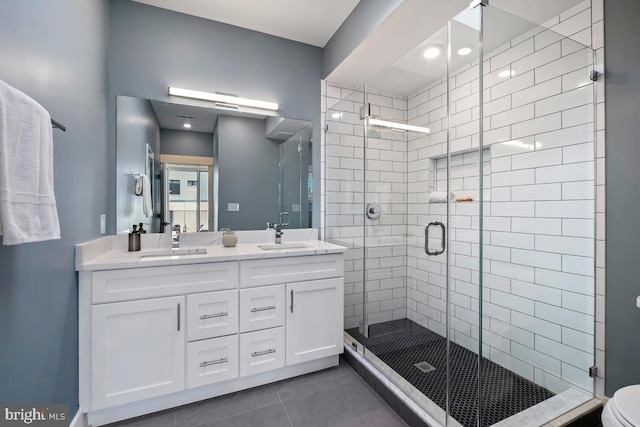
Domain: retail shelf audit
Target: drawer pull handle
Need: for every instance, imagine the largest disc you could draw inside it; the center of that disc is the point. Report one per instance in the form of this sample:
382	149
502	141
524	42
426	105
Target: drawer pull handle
213	362
262	353
213	316
257	309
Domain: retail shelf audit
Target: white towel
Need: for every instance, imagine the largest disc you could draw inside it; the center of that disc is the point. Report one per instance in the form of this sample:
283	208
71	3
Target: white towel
441	197
28	210
143	188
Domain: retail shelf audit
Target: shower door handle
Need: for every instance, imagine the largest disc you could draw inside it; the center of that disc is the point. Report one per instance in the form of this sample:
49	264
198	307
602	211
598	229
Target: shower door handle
426	238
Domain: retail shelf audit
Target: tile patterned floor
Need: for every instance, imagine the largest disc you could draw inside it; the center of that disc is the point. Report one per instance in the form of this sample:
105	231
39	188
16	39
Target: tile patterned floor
332	397
401	344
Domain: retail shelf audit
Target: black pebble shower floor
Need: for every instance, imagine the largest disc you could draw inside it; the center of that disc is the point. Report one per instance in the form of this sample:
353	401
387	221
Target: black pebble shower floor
403	343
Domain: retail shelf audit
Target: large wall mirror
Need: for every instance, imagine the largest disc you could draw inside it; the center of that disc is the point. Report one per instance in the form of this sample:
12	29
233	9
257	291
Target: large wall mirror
211	168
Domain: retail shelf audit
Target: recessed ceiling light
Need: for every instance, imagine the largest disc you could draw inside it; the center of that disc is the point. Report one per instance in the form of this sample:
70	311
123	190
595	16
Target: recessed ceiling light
506	73
187	125
431	52
464	51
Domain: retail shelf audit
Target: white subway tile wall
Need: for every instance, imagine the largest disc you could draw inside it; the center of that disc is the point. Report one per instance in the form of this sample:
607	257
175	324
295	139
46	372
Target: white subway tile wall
384	168
543	158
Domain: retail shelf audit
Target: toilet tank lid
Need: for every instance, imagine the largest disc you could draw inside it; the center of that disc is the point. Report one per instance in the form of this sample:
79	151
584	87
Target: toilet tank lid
627	402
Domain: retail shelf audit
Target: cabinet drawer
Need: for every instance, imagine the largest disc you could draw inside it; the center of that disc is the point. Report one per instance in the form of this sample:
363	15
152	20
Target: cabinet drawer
143	283
212	361
261	308
212	314
261	351
275	271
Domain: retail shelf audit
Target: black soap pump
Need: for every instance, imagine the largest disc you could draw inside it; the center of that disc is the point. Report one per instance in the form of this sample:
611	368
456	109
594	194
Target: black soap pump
134	240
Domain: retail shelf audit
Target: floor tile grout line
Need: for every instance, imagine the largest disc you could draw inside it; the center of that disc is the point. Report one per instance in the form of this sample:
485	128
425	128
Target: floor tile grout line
233	415
283	407
357	377
380	398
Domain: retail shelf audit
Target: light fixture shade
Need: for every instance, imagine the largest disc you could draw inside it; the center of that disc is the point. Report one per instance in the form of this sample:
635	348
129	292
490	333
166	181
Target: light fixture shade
394	125
226	99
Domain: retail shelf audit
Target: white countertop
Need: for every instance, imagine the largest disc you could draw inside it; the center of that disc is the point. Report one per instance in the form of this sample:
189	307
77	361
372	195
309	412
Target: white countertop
119	258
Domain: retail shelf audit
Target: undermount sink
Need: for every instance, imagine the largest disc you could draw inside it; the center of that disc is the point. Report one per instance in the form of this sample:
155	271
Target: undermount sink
282	246
173	252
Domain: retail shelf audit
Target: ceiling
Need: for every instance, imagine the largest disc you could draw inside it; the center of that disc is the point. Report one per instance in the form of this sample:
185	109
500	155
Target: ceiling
391	59
307	21
413	71
200	119
203	119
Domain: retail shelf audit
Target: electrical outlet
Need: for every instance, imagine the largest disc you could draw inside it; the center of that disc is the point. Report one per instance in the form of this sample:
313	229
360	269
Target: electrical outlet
233	207
103	224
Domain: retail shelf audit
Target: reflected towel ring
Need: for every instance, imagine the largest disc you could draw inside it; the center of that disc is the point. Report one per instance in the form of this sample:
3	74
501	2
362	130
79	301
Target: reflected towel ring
138	186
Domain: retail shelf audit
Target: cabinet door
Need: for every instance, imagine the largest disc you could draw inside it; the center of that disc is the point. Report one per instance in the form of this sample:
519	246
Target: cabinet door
137	350
314	319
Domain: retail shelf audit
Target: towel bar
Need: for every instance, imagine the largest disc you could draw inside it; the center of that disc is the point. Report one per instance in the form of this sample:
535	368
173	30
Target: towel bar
58	125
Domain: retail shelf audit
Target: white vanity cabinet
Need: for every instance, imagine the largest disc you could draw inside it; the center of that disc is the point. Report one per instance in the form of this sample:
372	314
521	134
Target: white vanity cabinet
158	337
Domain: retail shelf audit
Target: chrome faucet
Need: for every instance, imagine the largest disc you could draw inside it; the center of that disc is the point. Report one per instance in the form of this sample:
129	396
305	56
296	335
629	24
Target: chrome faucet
278	229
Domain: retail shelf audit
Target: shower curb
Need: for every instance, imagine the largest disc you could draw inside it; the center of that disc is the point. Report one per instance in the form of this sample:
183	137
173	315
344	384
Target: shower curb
382	386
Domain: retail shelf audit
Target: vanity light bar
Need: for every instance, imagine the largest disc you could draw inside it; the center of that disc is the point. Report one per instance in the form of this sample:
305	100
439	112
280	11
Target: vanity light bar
394	125
225	99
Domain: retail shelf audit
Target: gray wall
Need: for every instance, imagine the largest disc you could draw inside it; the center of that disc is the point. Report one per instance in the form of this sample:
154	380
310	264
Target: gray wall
147	54
186	143
622	47
137	127
55	51
366	16
248	174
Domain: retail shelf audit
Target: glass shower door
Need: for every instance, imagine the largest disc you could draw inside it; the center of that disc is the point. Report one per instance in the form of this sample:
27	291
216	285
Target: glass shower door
343	157
538	304
422	249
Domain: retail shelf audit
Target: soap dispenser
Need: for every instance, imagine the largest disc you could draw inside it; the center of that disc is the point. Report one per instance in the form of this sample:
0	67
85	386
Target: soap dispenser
134	240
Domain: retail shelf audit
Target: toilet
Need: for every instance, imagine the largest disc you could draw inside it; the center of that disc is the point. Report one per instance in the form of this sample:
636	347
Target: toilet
623	409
